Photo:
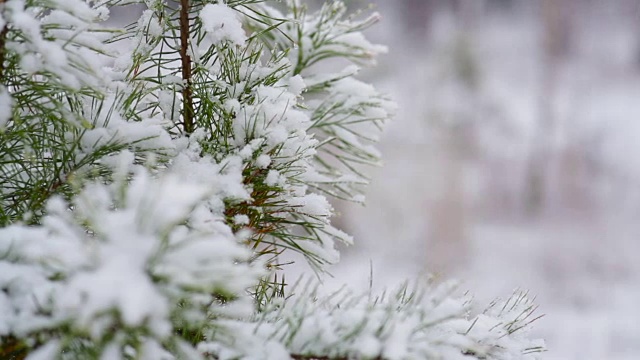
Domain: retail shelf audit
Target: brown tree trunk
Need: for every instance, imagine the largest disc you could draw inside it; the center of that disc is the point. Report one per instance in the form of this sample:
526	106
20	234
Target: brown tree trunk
556	46
448	246
417	15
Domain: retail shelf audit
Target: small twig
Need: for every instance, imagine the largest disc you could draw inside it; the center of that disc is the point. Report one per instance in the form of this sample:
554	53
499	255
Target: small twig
187	96
310	357
3	39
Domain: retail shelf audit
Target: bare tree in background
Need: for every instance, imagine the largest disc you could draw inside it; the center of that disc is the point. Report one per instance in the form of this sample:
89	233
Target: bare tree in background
418	15
448	231
556	18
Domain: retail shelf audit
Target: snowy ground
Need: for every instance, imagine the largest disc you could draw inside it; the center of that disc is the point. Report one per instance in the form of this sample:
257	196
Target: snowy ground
588	294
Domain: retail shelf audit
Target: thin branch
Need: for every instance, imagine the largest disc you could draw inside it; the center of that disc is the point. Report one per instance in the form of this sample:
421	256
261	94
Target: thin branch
187	95
310	357
3	39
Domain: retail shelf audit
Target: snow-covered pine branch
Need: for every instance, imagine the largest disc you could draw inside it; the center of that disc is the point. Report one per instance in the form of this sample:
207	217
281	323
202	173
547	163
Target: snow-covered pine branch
152	176
424	321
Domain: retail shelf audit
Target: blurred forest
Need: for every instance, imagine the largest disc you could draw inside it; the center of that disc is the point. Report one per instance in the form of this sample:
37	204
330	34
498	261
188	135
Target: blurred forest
513	160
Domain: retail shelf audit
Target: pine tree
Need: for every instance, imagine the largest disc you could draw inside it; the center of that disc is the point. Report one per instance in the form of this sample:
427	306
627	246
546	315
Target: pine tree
152	176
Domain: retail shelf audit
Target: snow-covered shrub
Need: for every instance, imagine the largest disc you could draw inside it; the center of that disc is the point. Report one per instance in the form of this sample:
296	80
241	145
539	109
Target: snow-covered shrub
152	176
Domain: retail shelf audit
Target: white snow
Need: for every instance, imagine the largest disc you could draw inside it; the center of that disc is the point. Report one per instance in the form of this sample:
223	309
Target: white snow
222	24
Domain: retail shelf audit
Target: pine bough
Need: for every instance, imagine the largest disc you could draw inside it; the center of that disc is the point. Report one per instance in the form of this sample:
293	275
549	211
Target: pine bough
152	176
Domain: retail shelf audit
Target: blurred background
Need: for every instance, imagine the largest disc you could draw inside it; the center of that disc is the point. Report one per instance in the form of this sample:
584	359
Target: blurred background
513	162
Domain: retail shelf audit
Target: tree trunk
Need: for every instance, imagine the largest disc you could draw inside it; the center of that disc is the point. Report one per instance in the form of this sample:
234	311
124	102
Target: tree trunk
556	46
